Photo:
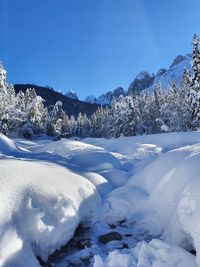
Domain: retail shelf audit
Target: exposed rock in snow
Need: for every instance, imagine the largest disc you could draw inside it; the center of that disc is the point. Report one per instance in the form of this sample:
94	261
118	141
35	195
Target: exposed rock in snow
110	237
142	81
177	60
174	73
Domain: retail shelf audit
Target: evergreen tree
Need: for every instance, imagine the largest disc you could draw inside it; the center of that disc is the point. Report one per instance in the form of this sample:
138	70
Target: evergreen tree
3	83
195	85
186	109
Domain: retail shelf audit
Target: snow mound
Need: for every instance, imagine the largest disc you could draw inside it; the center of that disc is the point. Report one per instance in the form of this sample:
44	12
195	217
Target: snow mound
95	160
153	254
166	195
7	145
101	184
81	155
44	205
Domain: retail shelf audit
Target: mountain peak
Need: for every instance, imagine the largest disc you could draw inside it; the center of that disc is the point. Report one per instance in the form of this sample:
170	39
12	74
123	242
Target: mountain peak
71	94
142	81
177	60
91	99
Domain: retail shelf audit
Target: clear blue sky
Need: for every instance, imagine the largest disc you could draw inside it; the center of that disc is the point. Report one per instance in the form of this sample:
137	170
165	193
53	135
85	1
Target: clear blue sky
92	46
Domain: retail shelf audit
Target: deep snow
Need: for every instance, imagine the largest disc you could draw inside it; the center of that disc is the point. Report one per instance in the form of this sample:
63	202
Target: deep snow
152	182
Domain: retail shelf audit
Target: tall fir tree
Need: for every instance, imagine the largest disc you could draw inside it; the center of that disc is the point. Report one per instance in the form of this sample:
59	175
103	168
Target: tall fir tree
195	85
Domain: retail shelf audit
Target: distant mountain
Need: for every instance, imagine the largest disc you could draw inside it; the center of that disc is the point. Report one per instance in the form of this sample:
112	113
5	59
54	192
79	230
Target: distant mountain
91	99
106	99
175	72
164	76
144	80
71	94
71	106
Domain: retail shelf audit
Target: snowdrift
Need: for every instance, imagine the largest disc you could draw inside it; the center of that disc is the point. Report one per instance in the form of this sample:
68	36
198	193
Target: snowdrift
41	204
153	254
7	146
153	181
164	195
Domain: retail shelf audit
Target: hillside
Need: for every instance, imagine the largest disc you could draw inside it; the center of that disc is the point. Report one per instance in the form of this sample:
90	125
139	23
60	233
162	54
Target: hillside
71	106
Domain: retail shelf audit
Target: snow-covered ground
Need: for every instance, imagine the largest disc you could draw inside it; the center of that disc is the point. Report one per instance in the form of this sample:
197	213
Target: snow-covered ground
145	189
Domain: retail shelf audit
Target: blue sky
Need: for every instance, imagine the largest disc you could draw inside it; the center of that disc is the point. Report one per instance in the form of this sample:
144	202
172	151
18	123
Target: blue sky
92	46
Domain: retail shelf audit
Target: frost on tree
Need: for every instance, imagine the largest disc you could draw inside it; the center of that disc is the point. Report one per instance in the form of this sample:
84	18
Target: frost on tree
195	86
3	84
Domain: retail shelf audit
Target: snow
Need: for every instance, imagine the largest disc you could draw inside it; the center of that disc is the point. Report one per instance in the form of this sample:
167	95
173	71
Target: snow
174	73
91	99
48	188
71	94
41	204
7	145
156	254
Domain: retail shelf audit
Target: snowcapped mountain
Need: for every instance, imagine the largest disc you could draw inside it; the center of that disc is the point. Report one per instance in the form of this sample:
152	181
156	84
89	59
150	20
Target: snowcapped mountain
164	76
91	99
175	71
71	94
144	80
105	99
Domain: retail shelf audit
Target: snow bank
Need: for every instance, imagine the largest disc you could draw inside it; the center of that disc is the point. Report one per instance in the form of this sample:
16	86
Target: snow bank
158	185
41	205
7	146
166	195
146	144
81	155
153	254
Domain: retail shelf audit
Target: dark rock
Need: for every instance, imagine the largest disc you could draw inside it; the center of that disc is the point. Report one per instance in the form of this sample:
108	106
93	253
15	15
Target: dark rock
122	222
125	246
193	252
128	235
82	243
110	237
113	226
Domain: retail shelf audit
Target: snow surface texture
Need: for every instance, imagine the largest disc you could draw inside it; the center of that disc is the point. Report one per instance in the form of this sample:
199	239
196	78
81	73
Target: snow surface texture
48	188
41	204
156	254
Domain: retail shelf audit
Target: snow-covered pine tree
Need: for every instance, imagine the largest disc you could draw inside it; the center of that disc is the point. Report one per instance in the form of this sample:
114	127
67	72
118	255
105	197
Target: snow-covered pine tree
186	110
195	85
3	82
120	116
56	120
159	100
3	101
171	110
